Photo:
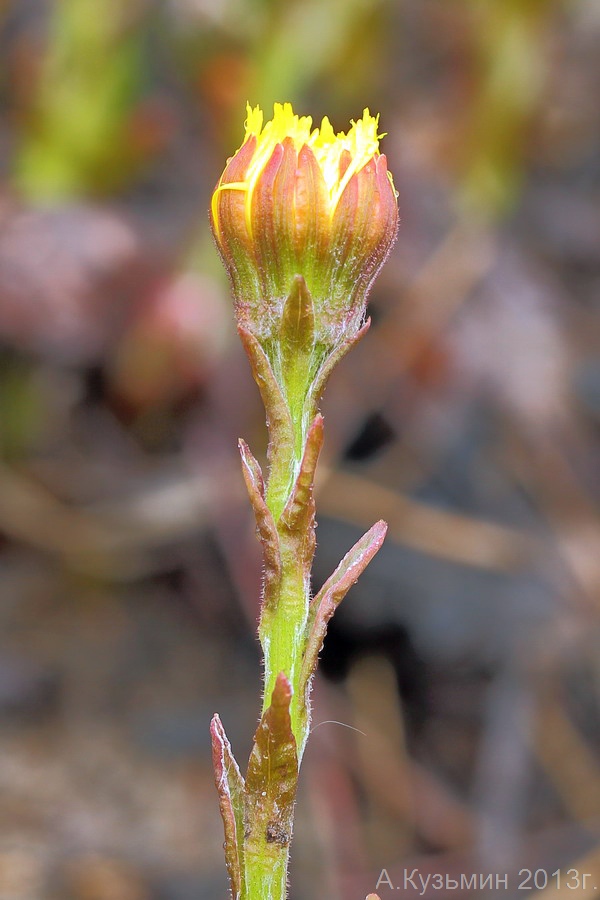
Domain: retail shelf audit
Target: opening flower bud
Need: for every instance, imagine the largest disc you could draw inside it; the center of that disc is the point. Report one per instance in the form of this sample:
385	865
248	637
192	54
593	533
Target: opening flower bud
297	201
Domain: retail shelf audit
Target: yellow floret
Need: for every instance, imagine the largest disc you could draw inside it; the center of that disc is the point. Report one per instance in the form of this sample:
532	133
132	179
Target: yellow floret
362	142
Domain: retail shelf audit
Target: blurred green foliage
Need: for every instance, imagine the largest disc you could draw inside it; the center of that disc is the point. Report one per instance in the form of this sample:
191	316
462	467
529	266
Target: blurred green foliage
76	136
509	73
267	51
81	132
490	300
305	42
21	404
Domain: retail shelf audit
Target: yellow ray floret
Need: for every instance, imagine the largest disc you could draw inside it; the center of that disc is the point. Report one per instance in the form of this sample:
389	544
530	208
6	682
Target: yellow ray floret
361	141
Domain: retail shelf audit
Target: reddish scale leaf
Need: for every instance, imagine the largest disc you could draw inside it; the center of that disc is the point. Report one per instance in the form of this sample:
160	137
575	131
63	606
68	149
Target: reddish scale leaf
297	338
299	513
231	791
279	421
267	532
333	592
325	370
252	472
297	329
272	773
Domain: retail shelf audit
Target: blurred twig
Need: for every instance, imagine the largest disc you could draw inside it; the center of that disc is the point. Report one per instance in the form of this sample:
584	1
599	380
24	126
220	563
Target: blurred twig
395	782
589	865
113	538
442	285
445	534
421	312
568	760
542	467
116	535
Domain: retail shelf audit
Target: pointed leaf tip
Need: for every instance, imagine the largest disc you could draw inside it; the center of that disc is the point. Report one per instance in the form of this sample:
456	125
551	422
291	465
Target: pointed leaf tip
265	524
353	564
251	470
299	511
230	788
334	358
297	328
333	592
272	771
270	390
282	691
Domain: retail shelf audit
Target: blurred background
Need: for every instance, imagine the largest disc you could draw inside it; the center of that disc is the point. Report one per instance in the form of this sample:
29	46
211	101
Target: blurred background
467	656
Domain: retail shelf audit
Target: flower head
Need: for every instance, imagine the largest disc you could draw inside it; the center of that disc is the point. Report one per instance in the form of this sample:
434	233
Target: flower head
300	201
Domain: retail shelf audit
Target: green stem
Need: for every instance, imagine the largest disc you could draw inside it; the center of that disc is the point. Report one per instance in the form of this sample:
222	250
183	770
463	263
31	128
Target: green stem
258	812
266	871
282	632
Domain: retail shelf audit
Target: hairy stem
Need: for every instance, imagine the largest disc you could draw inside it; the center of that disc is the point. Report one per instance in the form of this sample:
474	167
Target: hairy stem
258	811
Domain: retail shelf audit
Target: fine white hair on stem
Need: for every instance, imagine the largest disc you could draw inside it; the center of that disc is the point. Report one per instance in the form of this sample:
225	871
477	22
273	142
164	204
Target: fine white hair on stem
335	722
